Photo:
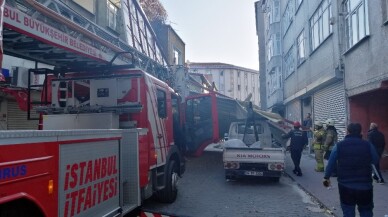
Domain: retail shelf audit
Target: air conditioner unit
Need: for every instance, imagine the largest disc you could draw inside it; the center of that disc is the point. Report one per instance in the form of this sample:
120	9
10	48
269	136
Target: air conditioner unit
20	77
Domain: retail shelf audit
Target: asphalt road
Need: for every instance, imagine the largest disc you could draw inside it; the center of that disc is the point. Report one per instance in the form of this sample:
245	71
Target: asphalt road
204	192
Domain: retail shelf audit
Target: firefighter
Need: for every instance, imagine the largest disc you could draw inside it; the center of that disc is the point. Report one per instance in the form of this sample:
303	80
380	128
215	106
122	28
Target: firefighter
297	144
319	136
331	139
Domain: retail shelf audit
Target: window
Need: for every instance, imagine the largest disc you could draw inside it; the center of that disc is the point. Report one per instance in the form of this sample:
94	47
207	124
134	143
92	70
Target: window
320	24
238	87
177	57
276	11
289	62
273	80
356	20
277	44
270	49
112	13
266	21
162	108
273	46
301	48
273	15
288	16
222	81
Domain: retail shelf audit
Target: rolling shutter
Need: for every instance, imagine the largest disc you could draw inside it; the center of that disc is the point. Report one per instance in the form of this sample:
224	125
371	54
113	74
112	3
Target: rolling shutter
17	119
330	103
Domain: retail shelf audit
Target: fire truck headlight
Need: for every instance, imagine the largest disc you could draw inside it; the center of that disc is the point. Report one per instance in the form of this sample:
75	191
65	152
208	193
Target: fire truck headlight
50	186
231	165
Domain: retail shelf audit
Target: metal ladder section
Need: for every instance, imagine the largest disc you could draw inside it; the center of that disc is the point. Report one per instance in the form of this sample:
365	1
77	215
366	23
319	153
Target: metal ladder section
41	102
55	12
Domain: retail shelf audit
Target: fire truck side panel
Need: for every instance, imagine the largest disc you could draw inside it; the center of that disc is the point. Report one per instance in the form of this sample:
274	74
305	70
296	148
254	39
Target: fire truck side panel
129	166
77	170
81	121
25	171
89	178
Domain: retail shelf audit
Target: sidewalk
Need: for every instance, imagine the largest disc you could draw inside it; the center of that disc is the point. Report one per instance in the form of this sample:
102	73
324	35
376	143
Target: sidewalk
311	182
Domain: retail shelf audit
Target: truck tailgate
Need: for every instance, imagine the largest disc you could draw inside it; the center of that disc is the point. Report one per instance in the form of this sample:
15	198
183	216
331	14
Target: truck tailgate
242	154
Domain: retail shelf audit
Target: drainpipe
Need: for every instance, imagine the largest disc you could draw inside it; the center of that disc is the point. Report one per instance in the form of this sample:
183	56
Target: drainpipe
341	68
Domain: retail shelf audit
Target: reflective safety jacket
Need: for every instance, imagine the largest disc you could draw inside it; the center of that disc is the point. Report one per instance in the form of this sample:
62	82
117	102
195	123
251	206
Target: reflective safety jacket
331	138
319	137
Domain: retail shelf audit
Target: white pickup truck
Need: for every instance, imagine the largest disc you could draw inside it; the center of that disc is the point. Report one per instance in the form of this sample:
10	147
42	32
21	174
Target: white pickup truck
251	151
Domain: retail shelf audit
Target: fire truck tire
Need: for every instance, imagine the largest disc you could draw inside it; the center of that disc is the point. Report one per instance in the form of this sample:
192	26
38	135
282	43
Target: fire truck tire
20	208
169	193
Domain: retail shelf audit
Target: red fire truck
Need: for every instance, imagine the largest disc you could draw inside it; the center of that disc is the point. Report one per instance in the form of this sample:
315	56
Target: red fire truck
107	144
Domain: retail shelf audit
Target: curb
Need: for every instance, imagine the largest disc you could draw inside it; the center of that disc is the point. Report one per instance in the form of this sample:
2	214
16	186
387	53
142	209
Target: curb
320	203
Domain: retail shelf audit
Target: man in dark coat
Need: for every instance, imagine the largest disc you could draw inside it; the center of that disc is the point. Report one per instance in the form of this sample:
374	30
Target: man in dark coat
354	157
298	142
378	141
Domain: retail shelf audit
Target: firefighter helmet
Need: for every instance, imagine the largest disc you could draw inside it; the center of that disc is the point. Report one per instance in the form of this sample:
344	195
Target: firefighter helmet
296	124
330	122
318	123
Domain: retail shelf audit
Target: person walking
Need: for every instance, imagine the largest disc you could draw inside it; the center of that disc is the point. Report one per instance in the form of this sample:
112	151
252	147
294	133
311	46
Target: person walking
297	143
355	157
319	136
378	141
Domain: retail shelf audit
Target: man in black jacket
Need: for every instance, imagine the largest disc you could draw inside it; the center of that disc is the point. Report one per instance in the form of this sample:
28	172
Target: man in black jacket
378	141
355	157
298	142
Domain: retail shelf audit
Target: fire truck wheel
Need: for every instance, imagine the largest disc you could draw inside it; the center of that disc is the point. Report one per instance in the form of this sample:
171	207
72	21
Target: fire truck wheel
169	193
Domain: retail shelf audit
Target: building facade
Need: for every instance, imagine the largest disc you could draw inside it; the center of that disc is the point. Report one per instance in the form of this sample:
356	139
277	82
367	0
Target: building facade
365	56
174	49
302	44
233	81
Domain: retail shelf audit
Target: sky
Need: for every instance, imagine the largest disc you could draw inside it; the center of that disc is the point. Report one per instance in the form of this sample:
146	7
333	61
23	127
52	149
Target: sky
216	30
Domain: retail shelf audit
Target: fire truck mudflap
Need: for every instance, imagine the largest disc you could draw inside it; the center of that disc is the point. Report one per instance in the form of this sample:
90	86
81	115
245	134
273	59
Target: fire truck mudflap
69	172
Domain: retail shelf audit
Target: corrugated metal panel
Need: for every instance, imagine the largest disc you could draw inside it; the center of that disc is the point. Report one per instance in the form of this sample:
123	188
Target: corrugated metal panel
17	119
330	103
293	111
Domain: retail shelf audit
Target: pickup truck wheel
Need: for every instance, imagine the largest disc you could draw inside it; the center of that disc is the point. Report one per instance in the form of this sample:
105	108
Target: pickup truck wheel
275	179
169	193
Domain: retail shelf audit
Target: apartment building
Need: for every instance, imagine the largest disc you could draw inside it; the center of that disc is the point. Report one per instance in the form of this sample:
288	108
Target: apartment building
233	81
304	70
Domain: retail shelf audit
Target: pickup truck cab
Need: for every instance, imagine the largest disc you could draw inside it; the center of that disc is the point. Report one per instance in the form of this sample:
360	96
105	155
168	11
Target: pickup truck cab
251	151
